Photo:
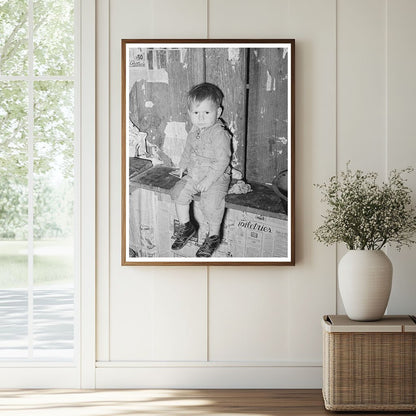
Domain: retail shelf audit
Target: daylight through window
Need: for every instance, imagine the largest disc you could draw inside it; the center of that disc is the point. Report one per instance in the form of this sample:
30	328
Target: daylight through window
37	180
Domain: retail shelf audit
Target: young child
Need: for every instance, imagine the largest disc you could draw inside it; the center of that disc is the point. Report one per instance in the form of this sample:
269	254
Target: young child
206	158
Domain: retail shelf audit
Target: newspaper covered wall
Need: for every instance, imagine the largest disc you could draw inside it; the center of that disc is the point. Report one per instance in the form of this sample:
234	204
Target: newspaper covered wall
250	235
153	223
143	223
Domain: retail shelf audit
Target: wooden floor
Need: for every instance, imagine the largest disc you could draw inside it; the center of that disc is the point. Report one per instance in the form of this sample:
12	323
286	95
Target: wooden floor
165	402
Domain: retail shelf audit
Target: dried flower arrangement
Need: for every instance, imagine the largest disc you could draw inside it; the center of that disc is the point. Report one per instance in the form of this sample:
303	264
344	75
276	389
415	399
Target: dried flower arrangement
366	215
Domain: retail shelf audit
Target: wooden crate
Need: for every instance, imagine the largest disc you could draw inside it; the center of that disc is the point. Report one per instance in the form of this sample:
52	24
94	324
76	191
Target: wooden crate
369	366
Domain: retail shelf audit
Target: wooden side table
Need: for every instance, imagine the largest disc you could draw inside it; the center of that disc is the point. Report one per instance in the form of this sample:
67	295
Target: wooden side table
369	366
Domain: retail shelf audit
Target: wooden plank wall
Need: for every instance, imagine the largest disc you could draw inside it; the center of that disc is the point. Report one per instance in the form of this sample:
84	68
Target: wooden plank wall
227	68
153	104
267	128
185	70
259	131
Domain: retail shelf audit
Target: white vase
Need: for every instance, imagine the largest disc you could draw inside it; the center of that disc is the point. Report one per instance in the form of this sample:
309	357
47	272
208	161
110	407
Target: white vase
364	278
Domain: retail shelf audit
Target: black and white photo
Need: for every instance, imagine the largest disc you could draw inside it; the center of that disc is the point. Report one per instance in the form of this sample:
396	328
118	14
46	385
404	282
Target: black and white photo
208	152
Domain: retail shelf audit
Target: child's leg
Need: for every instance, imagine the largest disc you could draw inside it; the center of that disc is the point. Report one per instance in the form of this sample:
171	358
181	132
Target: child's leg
213	204
182	194
213	207
182	211
214	229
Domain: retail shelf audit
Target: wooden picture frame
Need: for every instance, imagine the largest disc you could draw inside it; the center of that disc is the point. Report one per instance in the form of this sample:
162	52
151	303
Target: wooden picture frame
257	79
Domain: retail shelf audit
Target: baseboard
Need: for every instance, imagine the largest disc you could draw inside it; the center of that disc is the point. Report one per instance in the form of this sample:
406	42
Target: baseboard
209	377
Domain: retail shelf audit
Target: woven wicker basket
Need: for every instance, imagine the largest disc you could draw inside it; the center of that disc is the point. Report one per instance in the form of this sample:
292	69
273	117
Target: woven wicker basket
369	366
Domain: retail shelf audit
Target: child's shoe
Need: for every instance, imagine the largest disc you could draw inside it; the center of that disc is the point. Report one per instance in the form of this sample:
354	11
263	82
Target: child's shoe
184	234
208	247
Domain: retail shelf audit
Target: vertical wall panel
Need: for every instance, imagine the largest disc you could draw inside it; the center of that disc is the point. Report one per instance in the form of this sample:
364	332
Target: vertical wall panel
401	144
248	315
160	318
312	282
180	324
361	84
177	19
260	19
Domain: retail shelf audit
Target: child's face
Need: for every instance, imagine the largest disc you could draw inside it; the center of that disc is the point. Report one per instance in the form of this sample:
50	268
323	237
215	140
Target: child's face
204	114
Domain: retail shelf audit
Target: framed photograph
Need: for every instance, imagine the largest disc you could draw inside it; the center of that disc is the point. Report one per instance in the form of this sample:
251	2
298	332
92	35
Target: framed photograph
208	136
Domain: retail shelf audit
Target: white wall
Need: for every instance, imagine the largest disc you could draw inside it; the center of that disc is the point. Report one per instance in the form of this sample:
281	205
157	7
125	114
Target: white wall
254	326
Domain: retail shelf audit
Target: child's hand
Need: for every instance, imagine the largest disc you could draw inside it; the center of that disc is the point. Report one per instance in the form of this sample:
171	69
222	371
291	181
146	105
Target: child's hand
203	185
178	172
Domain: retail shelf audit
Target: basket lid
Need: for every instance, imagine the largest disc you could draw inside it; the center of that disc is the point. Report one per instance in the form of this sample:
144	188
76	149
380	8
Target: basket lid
389	323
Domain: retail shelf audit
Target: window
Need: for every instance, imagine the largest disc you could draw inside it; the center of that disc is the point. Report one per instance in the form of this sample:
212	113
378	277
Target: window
38	185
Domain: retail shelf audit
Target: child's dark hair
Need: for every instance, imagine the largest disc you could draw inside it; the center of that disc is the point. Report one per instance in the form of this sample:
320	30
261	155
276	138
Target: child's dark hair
205	91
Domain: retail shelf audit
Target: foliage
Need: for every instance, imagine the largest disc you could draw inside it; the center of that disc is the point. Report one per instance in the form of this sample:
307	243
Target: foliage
52	122
53	263
52	208
13	130
366	215
53	37
13	208
13	37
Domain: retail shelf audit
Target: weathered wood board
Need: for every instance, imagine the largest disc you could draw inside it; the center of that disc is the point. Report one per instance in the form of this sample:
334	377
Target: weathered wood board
267	132
157	98
257	117
227	68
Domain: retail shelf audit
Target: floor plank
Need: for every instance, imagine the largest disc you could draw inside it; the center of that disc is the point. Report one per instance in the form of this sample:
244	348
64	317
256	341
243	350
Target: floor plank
166	402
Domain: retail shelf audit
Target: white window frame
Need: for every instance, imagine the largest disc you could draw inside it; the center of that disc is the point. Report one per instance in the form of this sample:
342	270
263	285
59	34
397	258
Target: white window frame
87	198
80	372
